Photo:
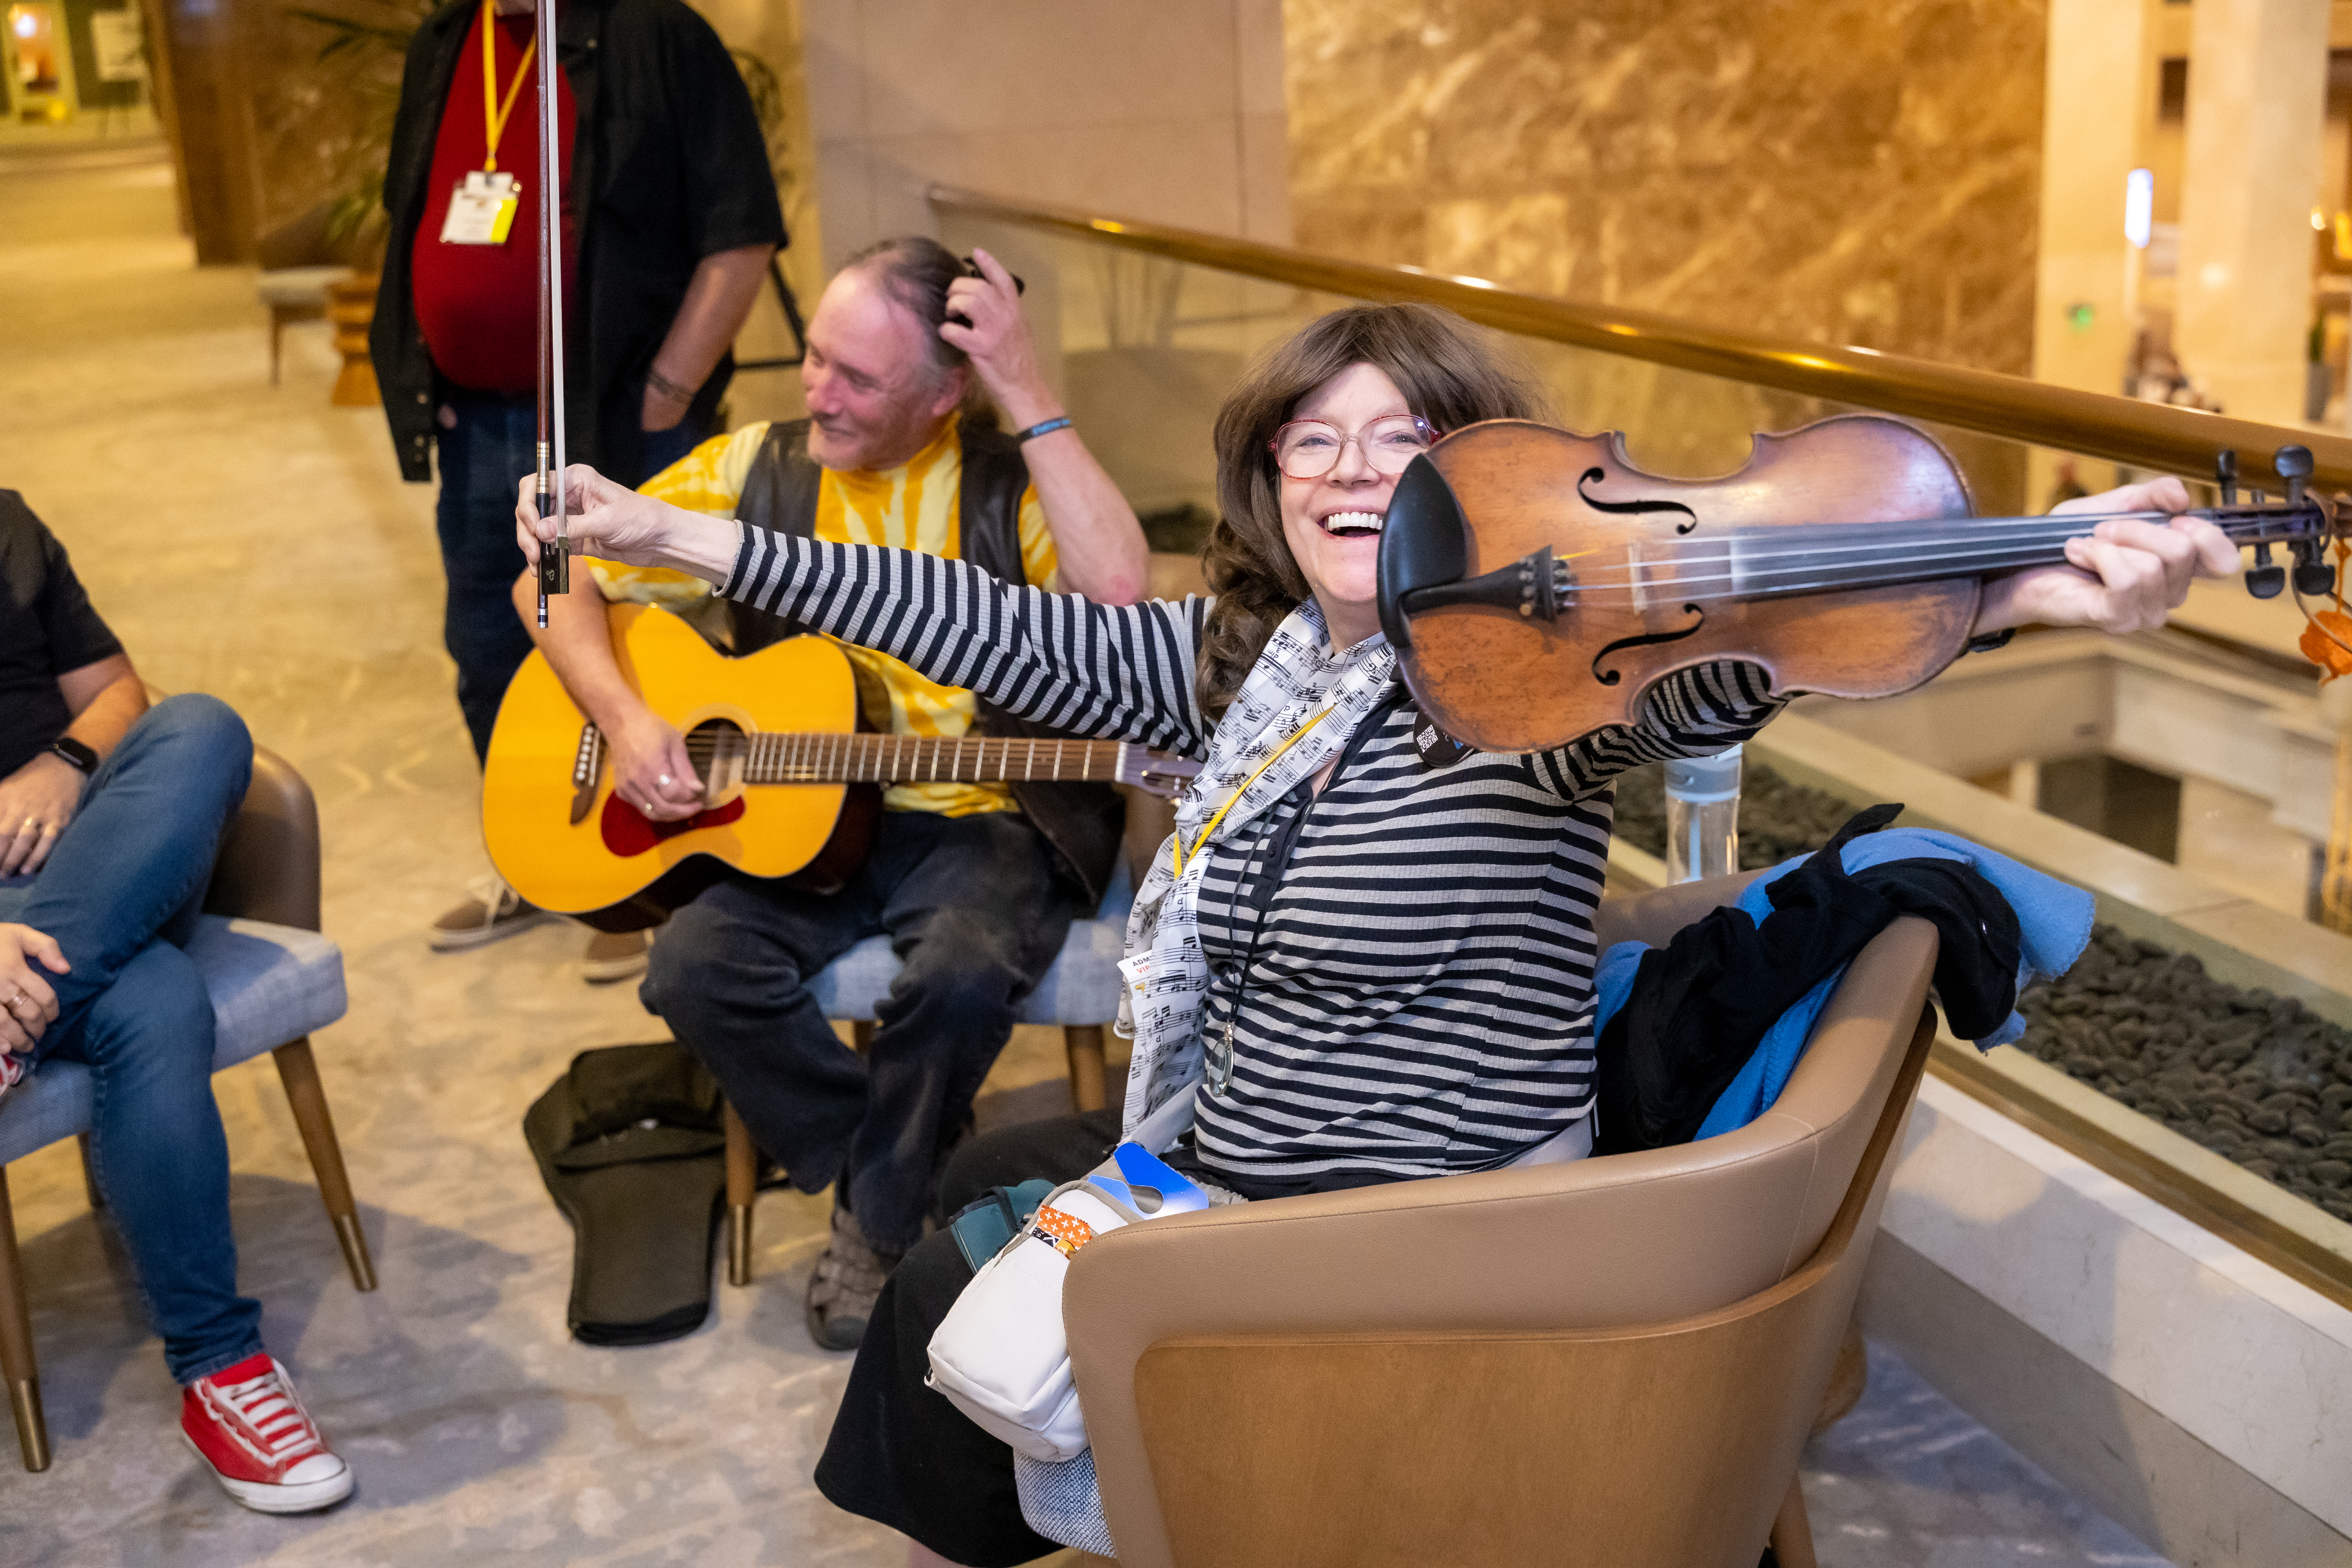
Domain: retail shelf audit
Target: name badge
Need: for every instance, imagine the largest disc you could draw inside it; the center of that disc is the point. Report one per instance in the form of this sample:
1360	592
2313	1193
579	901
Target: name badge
481	209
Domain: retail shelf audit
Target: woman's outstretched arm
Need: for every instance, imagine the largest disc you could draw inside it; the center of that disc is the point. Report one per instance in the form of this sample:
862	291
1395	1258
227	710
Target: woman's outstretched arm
1118	672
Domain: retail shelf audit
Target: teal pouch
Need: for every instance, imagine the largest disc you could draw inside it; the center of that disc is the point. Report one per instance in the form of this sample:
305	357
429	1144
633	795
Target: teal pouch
983	1226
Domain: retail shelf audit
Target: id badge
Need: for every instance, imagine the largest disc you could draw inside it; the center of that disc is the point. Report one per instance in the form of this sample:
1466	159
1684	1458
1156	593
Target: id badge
481	209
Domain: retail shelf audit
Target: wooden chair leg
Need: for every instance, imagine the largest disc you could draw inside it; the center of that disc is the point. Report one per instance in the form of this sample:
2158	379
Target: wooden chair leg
16	1364
88	1177
743	1188
1082	1044
298	1069
1792	1531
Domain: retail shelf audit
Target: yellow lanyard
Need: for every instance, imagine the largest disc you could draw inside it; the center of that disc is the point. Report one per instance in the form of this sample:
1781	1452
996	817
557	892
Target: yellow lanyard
494	114
1179	854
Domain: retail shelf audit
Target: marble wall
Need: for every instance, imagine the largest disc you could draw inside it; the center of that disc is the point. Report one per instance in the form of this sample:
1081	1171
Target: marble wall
1855	170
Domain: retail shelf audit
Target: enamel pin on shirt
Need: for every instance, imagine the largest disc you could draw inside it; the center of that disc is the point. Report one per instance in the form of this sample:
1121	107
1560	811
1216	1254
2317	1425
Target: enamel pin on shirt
482	208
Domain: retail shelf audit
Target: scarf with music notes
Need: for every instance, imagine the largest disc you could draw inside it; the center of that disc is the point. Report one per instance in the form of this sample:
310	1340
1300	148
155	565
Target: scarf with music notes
1294	714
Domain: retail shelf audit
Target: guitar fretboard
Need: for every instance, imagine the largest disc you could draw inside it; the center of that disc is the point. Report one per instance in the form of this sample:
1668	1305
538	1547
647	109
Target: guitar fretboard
822	758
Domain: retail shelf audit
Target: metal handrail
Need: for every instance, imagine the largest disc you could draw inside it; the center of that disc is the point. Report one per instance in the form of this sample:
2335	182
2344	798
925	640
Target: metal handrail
2098	424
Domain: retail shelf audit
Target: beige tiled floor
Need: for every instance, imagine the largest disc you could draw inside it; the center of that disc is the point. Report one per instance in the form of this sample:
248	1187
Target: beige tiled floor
258	544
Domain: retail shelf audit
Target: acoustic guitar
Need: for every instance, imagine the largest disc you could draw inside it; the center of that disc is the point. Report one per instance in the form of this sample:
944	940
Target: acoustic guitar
791	787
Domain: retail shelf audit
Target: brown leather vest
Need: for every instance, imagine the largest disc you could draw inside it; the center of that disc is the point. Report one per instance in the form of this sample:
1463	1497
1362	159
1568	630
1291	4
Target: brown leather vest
1080	820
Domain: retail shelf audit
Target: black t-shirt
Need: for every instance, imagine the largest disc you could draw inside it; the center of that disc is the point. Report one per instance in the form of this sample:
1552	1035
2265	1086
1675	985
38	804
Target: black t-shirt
46	628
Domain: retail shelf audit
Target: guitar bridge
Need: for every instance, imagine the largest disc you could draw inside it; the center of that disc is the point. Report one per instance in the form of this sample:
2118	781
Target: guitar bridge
587	763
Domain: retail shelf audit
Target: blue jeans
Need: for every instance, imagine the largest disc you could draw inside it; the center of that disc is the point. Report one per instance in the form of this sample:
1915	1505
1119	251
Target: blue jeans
483	459
973	909
120	890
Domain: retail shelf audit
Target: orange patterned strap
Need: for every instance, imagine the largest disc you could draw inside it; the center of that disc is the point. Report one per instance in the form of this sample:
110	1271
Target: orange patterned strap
1067	1232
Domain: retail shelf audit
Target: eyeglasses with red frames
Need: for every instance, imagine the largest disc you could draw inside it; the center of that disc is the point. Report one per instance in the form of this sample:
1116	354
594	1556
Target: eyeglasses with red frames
1310	448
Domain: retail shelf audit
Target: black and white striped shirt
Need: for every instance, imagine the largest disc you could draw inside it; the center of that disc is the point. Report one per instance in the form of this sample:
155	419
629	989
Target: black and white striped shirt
1417	996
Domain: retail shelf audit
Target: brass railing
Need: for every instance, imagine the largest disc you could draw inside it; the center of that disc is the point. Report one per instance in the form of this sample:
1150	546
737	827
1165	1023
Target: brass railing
2096	425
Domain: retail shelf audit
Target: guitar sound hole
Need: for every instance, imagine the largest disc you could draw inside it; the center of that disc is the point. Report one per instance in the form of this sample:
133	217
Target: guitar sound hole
719	741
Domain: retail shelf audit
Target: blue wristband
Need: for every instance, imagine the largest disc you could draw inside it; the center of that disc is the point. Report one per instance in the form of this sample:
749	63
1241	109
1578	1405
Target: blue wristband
1045	429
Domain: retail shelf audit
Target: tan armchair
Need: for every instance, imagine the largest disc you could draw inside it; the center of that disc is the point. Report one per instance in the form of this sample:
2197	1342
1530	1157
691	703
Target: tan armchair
273	979
1610	1363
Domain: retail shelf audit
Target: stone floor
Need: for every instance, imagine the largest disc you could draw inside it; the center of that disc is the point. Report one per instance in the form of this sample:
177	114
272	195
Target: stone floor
258	544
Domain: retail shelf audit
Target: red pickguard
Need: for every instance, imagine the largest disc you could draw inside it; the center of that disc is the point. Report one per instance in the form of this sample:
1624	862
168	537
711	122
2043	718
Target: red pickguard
628	831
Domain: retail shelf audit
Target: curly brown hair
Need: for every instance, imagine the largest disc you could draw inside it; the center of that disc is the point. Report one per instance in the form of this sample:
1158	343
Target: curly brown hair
1451	373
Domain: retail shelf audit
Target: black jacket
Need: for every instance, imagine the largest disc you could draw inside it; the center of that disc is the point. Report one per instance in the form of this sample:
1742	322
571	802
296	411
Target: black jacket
1081	821
1702	1004
668	166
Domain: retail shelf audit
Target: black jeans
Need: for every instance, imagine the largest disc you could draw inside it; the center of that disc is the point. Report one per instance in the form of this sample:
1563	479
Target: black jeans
899	1453
483	459
975	910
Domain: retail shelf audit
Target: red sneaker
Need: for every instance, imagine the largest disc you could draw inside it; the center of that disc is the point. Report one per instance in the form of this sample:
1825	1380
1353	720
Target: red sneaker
247	1423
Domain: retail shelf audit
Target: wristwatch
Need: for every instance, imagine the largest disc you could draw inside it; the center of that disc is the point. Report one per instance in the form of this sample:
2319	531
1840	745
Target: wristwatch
74	752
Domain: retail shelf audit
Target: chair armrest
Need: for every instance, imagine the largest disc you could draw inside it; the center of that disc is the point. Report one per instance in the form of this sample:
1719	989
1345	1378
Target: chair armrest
267	867
1654	916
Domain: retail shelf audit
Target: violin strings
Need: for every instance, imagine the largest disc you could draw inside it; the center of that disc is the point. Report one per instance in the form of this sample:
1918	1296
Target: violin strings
1763	546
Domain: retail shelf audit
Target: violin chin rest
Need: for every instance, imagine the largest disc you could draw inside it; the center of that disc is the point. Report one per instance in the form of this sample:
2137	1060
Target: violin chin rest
1424	544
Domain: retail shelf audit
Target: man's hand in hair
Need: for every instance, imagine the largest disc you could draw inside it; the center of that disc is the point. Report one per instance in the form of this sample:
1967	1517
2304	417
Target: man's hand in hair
1003	353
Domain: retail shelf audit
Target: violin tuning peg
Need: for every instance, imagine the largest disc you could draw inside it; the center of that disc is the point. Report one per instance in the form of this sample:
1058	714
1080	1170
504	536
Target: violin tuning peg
2293	464
2312	578
2264	579
2225	475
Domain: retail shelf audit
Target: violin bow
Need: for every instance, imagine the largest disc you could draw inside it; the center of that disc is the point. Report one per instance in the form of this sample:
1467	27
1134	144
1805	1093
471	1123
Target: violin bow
555	559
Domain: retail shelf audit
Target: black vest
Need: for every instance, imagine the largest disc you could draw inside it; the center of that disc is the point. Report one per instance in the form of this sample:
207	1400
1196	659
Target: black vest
1080	820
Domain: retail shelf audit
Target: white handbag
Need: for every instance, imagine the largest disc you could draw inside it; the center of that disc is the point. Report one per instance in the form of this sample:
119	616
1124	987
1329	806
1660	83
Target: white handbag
1001	1355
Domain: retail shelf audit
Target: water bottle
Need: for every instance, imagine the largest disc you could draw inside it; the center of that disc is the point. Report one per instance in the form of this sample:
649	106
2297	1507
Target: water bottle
1702	817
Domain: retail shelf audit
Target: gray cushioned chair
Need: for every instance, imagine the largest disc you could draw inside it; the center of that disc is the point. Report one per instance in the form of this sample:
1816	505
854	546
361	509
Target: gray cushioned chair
273	979
1079	993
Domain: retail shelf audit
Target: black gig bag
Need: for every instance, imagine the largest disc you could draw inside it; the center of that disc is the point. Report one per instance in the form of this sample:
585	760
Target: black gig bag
632	1144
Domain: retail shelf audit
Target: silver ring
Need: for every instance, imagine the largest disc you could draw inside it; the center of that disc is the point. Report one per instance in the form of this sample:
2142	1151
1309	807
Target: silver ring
663	781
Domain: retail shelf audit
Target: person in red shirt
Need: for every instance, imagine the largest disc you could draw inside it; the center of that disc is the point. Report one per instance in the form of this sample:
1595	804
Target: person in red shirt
670	218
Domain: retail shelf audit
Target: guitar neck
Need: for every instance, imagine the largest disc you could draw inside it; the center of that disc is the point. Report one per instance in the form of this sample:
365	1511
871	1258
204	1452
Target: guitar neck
822	758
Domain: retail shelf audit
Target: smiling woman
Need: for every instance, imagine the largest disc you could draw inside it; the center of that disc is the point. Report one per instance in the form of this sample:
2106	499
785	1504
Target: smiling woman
1274	546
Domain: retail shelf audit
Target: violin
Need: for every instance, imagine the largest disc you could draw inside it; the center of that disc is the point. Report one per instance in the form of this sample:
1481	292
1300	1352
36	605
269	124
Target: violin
1536	583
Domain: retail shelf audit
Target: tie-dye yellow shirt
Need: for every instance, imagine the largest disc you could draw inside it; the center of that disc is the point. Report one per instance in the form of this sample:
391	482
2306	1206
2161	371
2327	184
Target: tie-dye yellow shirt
910	507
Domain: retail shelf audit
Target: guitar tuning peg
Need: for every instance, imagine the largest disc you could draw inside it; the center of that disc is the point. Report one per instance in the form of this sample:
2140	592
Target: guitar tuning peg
2225	475
2264	579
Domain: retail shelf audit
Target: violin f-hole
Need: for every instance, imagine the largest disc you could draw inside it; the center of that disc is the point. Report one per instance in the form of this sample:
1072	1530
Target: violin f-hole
1648	639
1628	508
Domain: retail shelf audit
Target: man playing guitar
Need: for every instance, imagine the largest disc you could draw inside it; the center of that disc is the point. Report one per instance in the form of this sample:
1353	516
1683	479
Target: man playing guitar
976	883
